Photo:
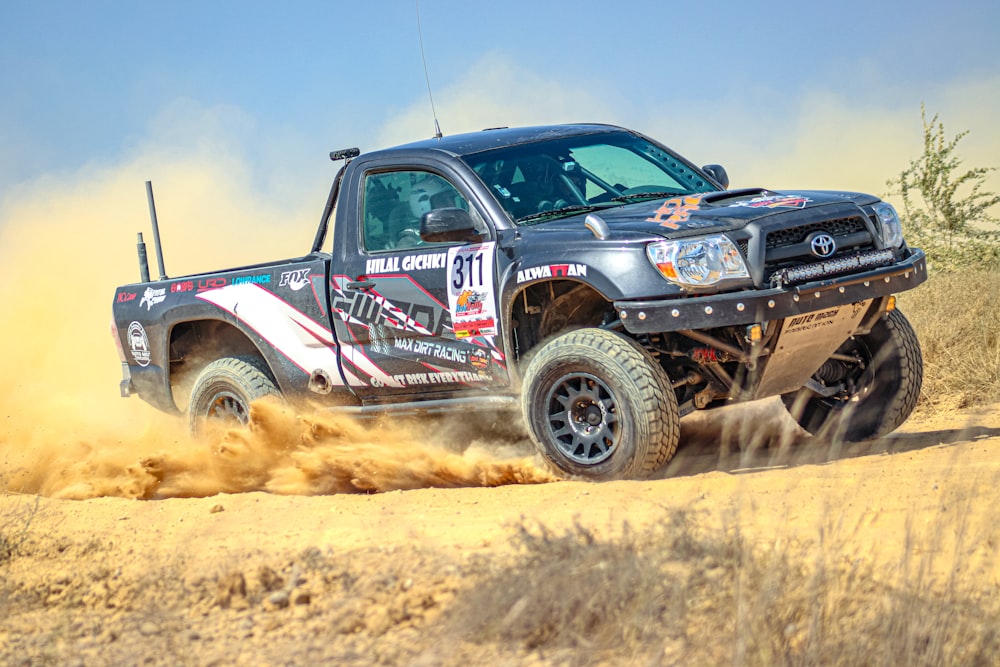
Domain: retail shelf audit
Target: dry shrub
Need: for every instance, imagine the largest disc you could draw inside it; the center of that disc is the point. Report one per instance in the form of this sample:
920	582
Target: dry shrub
678	595
574	591
14	529
957	318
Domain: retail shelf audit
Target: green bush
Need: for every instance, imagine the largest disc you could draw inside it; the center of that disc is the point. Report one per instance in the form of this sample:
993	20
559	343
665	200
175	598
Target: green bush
946	211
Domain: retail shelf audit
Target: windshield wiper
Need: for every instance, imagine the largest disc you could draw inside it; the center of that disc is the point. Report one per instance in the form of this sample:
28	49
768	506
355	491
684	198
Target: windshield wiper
647	195
564	210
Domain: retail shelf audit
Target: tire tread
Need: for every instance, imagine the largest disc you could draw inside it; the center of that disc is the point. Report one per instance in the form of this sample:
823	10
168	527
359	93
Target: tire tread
658	402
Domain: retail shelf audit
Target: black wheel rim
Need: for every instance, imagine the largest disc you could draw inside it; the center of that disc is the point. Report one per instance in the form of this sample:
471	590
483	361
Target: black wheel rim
227	408
583	418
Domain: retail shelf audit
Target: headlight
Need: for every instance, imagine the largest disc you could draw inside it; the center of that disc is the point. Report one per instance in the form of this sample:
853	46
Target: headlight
892	229
698	262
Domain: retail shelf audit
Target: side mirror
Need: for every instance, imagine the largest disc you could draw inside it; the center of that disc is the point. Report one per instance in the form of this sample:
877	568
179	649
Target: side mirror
717	172
448	225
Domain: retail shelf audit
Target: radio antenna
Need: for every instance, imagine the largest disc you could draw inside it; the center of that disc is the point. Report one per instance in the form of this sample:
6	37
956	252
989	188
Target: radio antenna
420	35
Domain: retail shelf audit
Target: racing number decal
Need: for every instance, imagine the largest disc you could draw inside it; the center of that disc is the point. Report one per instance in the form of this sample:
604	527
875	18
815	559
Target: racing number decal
470	290
464	271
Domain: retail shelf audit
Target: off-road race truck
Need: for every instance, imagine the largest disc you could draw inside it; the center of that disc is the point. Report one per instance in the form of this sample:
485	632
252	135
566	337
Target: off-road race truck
584	274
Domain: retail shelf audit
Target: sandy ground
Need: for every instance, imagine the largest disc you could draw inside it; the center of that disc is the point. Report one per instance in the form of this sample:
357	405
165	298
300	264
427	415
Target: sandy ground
343	545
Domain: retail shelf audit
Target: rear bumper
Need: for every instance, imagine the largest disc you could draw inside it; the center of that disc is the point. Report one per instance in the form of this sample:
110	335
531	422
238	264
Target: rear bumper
748	307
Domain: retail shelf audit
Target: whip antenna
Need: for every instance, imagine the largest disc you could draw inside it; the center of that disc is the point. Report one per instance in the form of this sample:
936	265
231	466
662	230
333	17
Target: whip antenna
420	35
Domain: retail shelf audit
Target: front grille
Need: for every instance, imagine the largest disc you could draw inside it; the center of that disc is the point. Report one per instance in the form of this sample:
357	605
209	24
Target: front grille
837	227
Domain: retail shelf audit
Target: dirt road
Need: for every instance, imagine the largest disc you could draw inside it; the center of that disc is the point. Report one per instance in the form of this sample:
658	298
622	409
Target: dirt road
334	543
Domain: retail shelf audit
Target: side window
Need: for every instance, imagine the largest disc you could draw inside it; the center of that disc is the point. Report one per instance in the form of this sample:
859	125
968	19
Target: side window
394	201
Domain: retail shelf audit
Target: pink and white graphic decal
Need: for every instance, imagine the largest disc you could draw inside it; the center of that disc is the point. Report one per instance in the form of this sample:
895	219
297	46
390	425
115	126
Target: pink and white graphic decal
353	354
305	343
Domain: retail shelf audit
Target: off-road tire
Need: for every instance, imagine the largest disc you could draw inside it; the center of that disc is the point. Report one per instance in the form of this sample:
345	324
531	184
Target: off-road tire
224	390
887	389
599	406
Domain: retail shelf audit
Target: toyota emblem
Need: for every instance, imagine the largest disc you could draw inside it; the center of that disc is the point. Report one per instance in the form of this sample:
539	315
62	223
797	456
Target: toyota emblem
823	245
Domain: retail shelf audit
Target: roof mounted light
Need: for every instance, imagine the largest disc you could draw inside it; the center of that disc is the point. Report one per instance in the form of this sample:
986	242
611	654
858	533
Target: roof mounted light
345	154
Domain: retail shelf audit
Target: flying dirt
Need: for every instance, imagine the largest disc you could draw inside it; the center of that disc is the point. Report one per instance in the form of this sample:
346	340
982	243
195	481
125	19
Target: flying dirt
280	453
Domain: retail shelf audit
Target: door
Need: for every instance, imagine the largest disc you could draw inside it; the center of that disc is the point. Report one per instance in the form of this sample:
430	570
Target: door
416	320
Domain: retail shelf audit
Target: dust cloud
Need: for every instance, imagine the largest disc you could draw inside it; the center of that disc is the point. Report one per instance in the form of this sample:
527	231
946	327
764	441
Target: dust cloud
66	241
281	452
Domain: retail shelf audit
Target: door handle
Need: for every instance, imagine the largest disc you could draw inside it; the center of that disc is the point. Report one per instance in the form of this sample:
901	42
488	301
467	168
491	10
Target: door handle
360	284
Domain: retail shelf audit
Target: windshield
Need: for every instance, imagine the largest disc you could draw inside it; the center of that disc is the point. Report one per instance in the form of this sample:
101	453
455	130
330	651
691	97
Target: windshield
547	179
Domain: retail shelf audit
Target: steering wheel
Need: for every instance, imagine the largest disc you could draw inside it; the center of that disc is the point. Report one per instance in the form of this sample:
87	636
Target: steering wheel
409	238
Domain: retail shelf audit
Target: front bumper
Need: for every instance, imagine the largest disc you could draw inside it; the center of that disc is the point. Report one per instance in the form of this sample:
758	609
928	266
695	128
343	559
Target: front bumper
751	306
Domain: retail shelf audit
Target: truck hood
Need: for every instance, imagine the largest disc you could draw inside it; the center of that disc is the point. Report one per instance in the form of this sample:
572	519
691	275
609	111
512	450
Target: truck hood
711	212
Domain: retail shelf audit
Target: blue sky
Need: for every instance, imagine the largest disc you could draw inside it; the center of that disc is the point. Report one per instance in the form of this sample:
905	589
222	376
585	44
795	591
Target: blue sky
87	83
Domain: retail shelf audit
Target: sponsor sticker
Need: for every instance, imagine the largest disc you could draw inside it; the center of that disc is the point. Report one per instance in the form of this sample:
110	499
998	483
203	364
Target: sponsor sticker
260	279
479	358
211	283
406	263
676	210
441	377
151	297
433	349
551	271
125	297
184	286
296	279
138	343
412	310
470	290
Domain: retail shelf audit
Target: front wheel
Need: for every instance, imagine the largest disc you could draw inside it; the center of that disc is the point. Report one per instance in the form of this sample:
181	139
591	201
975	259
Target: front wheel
599	406
224	390
879	389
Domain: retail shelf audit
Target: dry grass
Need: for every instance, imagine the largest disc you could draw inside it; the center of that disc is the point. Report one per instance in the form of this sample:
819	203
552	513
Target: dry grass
15	528
957	319
679	595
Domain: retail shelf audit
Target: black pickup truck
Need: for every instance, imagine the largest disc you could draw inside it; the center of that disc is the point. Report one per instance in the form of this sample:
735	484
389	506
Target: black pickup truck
584	274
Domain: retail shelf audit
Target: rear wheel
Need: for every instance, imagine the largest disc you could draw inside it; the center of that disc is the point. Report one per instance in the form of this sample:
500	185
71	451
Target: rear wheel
599	406
879	390
224	390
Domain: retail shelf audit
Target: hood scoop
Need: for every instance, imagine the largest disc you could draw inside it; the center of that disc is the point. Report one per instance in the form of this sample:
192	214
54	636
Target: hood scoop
730	195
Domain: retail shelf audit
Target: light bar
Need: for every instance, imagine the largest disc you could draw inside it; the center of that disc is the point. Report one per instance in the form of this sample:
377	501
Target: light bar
832	267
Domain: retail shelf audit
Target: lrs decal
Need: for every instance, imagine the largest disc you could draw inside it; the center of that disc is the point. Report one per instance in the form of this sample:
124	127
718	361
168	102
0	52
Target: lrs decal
774	201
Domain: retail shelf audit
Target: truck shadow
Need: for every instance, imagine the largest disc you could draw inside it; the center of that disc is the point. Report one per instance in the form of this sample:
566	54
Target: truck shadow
761	436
